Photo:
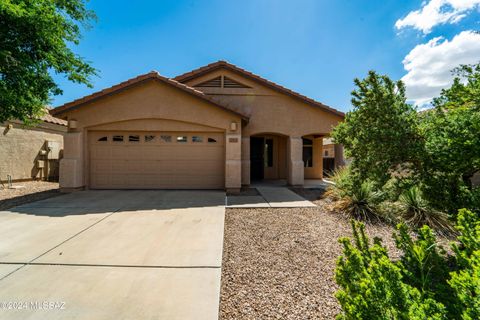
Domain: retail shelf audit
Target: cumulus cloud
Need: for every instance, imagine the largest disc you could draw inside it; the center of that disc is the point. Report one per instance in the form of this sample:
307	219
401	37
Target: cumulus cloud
429	65
436	12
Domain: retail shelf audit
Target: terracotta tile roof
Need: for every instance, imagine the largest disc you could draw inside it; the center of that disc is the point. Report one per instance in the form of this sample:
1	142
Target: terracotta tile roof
153	75
224	64
51	119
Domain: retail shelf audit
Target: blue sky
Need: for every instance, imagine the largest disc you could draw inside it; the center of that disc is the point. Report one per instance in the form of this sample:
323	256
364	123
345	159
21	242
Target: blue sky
315	47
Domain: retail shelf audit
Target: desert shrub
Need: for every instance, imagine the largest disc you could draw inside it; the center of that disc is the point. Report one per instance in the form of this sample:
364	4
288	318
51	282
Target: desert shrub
372	285
426	283
355	200
424	265
416	212
466	280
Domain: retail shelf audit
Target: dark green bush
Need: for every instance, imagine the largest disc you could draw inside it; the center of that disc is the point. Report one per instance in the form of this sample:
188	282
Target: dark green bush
426	283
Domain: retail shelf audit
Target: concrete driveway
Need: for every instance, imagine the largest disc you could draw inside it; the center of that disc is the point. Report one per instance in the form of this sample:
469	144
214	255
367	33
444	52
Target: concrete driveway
113	255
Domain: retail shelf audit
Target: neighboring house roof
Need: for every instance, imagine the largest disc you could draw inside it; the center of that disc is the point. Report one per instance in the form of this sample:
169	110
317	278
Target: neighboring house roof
51	119
153	75
224	64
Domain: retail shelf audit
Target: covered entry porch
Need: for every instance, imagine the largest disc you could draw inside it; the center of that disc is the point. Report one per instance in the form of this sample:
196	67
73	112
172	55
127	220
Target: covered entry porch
281	159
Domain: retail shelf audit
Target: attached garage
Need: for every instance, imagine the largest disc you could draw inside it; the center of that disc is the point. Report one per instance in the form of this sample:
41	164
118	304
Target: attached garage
156	159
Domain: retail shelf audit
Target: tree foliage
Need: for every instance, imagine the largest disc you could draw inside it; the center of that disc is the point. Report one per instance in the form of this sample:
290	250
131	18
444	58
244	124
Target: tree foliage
35	39
376	131
437	150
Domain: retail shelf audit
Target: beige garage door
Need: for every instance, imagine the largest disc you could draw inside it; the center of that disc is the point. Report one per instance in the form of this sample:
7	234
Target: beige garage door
156	160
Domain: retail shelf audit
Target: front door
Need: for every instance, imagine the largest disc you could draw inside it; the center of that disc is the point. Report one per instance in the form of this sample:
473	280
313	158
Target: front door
256	158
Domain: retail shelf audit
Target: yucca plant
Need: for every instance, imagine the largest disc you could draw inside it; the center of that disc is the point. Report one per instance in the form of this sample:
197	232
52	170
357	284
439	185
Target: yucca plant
416	212
354	200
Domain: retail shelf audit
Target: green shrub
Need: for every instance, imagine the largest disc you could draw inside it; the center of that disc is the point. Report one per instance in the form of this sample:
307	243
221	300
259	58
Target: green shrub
416	212
466	280
372	286
424	284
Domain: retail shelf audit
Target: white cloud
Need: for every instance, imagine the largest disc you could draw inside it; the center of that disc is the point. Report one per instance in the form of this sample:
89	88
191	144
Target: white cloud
435	12
429	65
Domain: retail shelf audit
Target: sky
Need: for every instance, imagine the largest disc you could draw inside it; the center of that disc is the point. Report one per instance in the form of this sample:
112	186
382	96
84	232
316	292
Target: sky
315	47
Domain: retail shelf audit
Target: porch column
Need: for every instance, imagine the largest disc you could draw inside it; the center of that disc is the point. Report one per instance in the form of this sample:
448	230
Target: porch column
246	161
339	157
71	165
295	161
233	162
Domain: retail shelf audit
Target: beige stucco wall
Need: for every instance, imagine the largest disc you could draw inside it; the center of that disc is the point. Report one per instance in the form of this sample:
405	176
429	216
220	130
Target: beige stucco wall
149	106
20	147
270	111
273	112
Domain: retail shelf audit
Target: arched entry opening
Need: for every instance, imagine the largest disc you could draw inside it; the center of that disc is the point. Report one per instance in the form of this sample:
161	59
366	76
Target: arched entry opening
268	157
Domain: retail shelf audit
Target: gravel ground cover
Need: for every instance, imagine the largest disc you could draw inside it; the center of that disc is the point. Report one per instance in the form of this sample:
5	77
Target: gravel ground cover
32	191
279	263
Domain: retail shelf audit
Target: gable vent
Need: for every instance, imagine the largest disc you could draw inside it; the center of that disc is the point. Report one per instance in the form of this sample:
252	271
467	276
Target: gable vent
213	83
221	82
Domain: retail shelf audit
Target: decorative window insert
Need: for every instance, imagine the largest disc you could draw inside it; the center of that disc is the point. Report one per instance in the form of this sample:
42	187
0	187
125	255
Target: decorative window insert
212	140
117	138
307	153
197	139
149	138
134	138
268	153
102	139
165	138
182	139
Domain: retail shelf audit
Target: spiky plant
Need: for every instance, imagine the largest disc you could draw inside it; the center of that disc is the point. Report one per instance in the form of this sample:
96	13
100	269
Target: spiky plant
416	212
354	200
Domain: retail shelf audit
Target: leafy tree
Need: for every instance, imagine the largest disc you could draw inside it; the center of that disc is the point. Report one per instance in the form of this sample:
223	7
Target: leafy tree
452	142
381	131
34	42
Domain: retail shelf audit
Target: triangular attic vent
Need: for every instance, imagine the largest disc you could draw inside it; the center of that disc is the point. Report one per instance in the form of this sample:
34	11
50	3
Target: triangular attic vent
221	82
212	83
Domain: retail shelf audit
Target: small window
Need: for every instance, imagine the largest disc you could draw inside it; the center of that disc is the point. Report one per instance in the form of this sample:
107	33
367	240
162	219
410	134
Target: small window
268	153
197	139
211	140
166	138
182	139
103	139
307	153
326	153
149	138
134	138
117	139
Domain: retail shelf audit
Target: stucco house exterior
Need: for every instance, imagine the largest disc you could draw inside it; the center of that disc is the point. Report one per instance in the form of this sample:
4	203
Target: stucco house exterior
216	127
31	152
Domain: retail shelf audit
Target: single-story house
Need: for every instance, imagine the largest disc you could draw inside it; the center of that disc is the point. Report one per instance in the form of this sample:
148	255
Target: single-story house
31	152
218	126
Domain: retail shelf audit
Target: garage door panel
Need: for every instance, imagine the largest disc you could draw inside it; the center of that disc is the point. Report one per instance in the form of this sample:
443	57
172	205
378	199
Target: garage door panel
157	160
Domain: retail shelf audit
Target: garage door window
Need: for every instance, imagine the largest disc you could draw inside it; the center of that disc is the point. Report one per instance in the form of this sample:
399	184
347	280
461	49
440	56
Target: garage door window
198	139
117	139
166	138
211	140
102	139
134	138
182	139
149	138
